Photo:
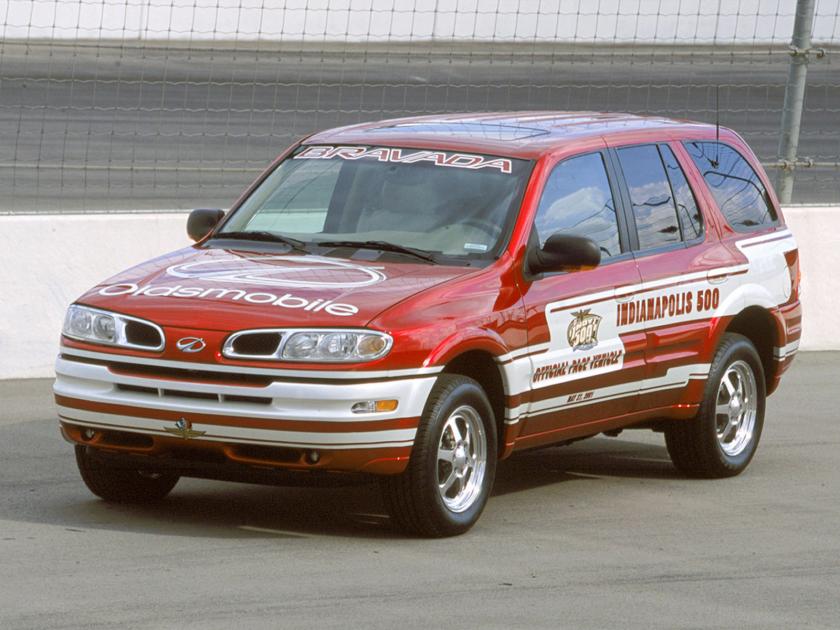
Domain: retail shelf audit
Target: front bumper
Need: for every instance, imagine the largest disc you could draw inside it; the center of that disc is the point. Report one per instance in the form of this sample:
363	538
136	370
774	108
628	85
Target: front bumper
280	422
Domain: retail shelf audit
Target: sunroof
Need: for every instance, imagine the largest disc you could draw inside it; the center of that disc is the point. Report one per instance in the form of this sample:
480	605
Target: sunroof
478	130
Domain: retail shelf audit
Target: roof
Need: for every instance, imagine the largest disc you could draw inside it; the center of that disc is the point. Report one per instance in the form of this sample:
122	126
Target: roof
514	134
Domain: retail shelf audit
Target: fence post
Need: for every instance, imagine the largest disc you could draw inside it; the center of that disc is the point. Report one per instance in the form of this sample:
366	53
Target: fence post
794	96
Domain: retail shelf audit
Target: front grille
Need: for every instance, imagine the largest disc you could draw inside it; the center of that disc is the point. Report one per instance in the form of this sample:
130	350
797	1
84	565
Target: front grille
188	454
183	374
268	454
198	376
137	389
253	344
264	344
182	393
239	379
140	334
255	400
175	393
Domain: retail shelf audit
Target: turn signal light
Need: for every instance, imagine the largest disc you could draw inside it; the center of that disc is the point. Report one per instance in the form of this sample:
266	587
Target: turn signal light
374	406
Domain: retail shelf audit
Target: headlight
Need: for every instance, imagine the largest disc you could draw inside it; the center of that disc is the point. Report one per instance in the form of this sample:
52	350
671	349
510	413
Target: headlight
335	345
318	345
113	329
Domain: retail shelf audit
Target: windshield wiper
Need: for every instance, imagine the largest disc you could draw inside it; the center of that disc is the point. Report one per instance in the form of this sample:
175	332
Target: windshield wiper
385	246
262	235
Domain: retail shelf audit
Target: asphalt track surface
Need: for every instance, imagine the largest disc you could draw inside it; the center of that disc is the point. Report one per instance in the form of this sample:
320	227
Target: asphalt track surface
603	533
104	126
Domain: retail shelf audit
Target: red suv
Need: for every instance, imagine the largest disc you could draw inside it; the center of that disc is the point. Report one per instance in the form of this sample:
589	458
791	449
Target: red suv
416	299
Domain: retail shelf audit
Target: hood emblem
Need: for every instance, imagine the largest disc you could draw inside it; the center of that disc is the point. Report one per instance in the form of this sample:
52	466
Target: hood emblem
183	429
309	272
191	344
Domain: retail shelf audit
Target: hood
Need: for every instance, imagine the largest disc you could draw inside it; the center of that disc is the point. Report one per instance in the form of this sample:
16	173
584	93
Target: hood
218	289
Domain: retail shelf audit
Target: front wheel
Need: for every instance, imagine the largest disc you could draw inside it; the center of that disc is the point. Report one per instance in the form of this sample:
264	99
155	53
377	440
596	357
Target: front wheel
453	464
122	484
722	439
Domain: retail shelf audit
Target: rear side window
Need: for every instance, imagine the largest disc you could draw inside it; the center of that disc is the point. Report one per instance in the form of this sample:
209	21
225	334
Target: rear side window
578	200
736	187
651	196
688	213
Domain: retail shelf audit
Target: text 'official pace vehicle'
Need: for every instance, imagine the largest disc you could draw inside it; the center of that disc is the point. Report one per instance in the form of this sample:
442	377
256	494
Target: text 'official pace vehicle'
416	299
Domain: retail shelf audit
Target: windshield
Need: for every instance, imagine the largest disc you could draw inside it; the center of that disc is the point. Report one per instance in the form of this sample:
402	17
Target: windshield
446	203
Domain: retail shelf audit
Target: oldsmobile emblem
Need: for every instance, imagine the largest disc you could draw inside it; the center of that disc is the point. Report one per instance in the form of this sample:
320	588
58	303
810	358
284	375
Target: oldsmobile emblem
183	429
191	344
583	330
280	271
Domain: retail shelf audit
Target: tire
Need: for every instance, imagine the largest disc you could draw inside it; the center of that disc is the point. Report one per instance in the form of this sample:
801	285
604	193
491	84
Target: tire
120	484
722	439
414	499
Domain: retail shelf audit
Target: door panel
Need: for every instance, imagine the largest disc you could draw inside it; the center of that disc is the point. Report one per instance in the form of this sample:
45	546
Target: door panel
676	315
582	369
678	298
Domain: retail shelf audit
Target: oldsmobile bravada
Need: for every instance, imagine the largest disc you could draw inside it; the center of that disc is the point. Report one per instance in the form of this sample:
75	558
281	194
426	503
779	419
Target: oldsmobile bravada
414	300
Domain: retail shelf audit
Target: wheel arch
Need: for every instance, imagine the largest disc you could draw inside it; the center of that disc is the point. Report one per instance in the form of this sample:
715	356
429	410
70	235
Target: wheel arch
474	352
758	324
481	366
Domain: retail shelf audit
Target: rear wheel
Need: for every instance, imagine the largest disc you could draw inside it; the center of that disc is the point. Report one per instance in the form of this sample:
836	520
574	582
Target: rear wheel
453	464
722	439
122	484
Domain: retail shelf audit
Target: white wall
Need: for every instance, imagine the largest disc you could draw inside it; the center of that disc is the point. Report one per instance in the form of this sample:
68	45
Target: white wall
47	261
686	21
817	231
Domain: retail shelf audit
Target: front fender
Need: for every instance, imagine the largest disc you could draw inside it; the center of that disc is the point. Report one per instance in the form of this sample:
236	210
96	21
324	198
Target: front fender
466	340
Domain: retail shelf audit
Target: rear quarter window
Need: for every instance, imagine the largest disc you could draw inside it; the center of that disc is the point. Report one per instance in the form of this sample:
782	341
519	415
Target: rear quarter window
650	193
688	213
736	187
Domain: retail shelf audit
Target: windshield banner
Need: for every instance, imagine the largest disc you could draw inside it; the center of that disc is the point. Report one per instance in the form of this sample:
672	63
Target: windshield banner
406	156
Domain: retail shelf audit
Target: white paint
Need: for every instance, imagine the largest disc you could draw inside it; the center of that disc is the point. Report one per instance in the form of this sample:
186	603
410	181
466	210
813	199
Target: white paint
302	403
676	377
229	433
47	261
607	21
289	401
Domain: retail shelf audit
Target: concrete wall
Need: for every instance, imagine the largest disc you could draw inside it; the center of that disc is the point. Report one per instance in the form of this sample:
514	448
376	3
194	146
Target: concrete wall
609	21
47	261
817	231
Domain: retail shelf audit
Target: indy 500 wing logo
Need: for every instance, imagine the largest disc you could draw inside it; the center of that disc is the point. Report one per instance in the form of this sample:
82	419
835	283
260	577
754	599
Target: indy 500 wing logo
281	271
582	333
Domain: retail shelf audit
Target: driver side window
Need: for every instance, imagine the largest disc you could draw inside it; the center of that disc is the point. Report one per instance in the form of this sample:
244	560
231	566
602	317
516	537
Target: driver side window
577	199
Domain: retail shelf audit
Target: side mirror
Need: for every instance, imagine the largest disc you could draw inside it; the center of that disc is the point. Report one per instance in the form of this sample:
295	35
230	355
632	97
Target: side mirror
564	252
202	221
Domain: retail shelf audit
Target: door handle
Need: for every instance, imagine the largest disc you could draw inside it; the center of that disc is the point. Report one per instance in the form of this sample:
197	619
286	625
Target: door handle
716	277
622	297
